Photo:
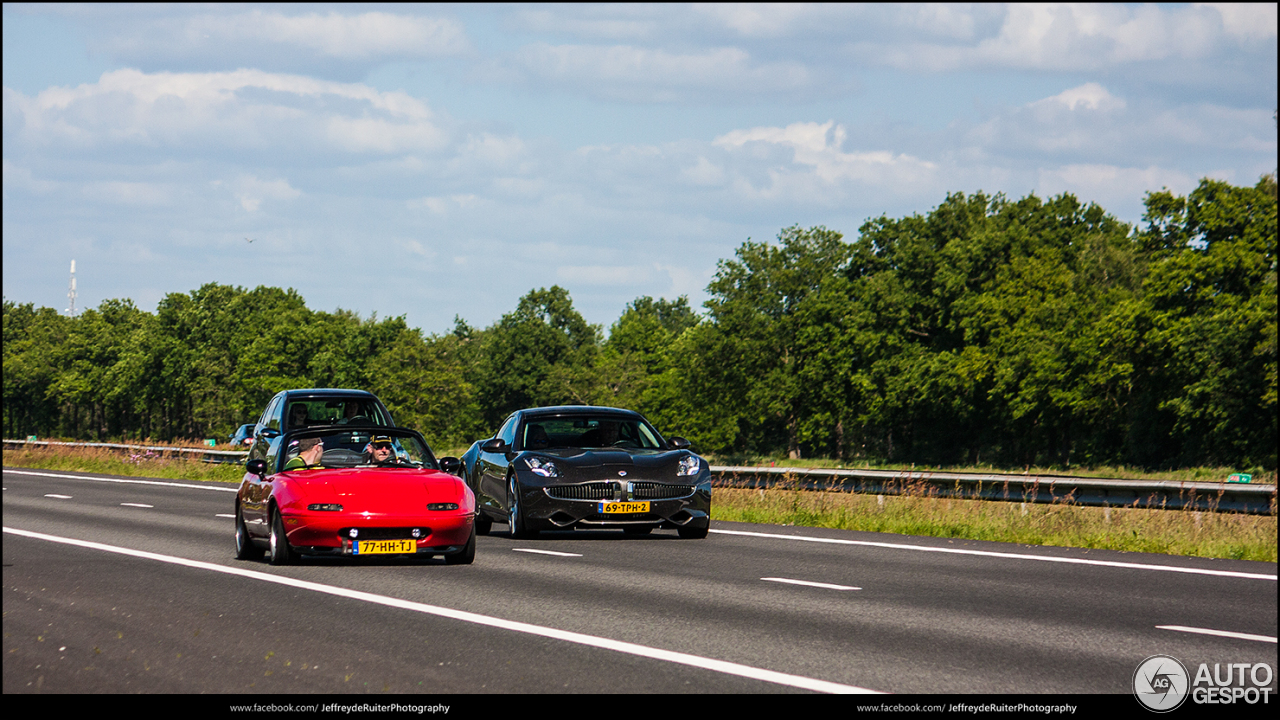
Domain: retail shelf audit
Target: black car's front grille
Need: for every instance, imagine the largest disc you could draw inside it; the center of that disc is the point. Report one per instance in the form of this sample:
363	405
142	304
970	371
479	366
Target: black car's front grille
658	491
585	491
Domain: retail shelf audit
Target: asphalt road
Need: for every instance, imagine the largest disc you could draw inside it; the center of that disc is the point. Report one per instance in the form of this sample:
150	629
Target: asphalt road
132	587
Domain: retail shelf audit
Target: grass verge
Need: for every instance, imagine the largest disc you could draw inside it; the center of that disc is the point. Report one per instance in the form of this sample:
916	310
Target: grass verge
1170	532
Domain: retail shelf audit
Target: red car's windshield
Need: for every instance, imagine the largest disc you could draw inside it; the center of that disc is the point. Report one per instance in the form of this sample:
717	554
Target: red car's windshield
364	447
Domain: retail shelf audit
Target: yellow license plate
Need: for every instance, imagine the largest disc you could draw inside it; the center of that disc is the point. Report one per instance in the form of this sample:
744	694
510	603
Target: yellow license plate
383	547
610	508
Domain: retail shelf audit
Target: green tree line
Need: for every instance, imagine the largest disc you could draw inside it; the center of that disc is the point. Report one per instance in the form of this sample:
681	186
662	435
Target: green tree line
990	330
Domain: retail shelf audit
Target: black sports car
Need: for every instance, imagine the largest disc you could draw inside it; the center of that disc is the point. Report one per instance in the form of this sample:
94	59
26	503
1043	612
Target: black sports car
559	468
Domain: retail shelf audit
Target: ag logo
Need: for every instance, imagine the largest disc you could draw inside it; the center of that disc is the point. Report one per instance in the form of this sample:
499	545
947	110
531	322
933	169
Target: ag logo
1161	683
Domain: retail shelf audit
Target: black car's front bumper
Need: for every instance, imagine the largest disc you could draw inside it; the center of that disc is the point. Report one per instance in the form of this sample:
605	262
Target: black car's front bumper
581	504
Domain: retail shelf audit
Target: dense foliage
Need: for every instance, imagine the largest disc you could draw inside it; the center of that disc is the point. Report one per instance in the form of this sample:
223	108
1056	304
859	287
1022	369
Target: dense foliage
988	331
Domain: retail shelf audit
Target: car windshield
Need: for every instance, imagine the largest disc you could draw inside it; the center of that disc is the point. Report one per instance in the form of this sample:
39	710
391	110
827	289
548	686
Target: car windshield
319	411
358	447
588	431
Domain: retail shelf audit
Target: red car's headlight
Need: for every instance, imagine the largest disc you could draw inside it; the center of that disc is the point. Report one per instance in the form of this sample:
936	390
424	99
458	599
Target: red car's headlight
442	506
325	507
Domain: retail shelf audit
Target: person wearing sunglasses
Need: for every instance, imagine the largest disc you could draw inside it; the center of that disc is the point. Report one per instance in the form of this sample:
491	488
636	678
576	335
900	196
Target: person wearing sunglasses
380	451
310	453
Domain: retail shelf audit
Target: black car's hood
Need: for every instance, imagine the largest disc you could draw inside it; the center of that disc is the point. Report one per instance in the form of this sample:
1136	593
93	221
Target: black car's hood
576	464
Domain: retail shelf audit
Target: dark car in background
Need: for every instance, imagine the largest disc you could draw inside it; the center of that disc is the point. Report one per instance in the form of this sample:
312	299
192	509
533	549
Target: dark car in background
315	407
243	436
566	467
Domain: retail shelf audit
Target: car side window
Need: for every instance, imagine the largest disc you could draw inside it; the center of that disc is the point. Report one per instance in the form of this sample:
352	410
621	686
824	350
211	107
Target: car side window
266	414
508	432
272	418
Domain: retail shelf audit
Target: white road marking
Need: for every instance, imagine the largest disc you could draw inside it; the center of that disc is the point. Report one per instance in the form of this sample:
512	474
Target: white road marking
546	552
60	497
122	480
1009	556
1219	633
721	666
225	515
826	586
136	505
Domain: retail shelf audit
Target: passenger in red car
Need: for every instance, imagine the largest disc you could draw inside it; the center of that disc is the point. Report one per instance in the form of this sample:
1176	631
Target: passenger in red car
310	452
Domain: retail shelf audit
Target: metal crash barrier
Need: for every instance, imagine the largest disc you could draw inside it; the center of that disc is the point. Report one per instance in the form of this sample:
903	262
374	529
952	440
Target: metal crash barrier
209	456
1252	499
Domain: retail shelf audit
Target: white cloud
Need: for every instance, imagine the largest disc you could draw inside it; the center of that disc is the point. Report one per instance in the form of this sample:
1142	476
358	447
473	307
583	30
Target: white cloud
817	150
1112	186
685	279
704	172
365	35
558	21
252	191
755	19
1089	36
20	178
334	35
1091	96
442	205
604	275
1249	21
128	193
243	108
642	74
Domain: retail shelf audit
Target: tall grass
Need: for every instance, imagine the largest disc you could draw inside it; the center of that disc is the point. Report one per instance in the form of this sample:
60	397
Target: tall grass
1170	532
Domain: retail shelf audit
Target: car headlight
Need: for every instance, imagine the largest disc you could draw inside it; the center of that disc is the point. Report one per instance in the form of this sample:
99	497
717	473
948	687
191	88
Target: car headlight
542	467
689	466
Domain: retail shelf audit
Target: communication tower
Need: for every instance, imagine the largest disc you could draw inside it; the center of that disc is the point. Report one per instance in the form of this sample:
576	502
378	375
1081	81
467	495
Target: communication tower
71	293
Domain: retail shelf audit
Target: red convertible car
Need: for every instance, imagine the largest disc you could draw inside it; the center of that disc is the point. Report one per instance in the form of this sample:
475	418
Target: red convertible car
354	491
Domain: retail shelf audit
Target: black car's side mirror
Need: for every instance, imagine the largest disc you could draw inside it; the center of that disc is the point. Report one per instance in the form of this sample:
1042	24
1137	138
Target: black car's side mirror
451	465
257	466
494	445
678	443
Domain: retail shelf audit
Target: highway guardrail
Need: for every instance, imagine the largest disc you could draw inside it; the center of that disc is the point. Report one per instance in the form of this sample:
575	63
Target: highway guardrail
1253	499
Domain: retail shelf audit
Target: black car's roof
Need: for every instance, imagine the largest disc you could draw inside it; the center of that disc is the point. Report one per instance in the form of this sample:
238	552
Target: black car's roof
579	410
330	391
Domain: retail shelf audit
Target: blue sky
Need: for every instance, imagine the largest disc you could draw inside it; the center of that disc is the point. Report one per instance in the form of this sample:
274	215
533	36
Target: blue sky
439	161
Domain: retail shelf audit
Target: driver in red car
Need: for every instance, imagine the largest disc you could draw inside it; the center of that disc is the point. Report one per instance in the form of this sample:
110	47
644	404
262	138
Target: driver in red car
379	450
310	452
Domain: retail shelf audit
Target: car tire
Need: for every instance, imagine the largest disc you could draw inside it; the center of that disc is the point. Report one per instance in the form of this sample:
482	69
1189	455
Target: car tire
281	553
515	514
245	549
468	554
484	523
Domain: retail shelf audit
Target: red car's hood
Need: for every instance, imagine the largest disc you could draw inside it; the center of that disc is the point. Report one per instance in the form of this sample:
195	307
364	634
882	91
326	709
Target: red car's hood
380	490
